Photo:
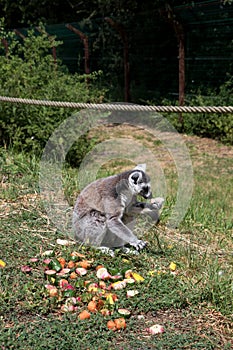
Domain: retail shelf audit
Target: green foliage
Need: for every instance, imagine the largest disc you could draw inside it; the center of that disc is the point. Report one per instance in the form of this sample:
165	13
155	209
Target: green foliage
214	125
28	70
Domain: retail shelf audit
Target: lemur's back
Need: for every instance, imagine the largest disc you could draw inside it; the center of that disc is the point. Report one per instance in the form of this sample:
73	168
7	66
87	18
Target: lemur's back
94	195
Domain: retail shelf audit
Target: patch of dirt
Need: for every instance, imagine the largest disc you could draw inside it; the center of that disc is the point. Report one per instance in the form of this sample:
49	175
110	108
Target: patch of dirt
212	147
200	325
188	239
197	145
203	322
24	202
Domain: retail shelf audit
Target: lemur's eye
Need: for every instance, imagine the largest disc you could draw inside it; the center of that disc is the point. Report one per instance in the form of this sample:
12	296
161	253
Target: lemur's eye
146	188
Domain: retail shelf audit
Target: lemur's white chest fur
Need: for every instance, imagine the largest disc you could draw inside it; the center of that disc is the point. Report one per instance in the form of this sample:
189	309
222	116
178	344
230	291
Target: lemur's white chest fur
126	199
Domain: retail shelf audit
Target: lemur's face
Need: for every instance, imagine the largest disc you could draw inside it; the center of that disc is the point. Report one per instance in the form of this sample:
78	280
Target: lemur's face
139	183
146	191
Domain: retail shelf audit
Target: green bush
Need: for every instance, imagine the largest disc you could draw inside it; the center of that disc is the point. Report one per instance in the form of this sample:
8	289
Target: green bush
29	71
214	125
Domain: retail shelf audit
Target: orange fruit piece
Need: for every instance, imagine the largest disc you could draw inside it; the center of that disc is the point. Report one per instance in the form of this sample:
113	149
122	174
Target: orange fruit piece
79	255
84	264
86	283
105	312
92	306
84	315
71	264
53	292
62	262
100	304
73	275
63	282
120	323
111	325
102	285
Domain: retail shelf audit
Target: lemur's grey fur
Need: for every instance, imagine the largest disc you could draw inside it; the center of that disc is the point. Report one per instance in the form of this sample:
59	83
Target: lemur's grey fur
105	206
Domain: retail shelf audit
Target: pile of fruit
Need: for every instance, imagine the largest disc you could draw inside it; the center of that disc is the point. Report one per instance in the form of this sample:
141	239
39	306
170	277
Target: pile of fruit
76	284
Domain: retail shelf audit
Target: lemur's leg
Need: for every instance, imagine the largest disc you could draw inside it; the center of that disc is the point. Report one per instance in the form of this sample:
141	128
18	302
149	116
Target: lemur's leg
111	240
123	234
93	229
89	229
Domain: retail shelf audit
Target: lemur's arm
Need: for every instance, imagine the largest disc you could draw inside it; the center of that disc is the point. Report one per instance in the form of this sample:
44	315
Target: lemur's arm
151	209
117	227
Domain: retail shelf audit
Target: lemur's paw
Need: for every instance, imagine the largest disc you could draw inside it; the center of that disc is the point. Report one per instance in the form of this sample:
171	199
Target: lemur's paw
139	245
129	251
157	203
106	250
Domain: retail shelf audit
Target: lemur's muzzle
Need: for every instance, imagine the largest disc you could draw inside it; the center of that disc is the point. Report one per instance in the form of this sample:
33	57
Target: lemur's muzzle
148	196
146	193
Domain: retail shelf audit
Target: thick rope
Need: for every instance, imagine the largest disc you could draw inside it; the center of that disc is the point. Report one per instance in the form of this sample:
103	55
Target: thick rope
120	106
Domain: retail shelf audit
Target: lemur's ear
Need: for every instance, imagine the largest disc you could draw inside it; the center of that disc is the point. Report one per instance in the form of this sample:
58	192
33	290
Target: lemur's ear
135	176
140	167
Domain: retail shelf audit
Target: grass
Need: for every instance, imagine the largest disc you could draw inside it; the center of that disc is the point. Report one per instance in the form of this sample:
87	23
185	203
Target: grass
195	305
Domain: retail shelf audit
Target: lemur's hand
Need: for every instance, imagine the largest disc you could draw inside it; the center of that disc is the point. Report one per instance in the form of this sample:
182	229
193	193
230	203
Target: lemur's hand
157	203
139	245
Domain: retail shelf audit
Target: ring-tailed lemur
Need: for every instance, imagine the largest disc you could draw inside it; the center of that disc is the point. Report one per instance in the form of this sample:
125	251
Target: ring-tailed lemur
105	206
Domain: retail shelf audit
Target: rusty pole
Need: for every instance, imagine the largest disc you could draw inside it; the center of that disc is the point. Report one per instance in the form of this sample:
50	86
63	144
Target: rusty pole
180	36
84	39
5	44
17	32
